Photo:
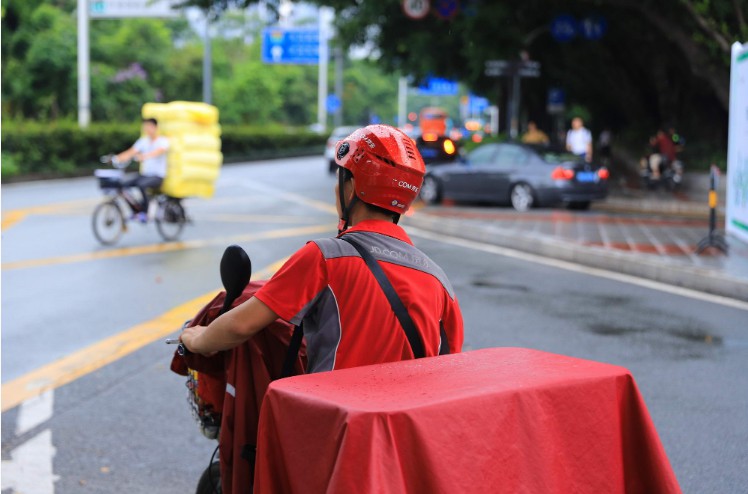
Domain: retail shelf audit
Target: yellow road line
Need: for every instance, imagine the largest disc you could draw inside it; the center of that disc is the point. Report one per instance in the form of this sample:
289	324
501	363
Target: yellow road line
165	247
257	218
95	356
13	216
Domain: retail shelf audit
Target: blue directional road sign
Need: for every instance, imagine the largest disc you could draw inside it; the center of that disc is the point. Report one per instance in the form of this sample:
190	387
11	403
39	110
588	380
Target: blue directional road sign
446	9
290	46
477	105
436	86
594	27
564	28
333	103
556	100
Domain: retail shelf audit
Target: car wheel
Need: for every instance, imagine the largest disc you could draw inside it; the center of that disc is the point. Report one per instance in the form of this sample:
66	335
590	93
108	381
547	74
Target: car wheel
579	205
431	190
522	197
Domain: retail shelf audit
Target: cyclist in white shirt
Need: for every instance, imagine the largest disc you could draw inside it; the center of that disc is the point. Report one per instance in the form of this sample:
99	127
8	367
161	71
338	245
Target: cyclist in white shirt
150	150
579	139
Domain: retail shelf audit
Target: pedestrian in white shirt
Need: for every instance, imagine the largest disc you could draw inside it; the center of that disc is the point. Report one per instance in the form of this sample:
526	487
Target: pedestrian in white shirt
579	139
150	150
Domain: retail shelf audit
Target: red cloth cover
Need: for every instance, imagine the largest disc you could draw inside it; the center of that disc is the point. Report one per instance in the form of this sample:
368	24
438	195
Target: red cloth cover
500	420
249	369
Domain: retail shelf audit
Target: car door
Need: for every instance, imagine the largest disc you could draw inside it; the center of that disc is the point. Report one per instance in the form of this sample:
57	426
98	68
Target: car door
508	162
465	181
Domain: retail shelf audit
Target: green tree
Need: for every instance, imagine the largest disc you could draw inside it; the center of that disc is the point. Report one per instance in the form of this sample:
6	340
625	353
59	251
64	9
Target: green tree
37	79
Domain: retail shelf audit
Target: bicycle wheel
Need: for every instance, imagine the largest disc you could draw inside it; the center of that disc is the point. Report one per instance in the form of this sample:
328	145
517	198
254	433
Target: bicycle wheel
170	219
108	222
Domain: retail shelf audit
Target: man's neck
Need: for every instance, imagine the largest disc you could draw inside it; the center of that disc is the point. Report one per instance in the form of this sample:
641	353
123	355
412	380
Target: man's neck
362	213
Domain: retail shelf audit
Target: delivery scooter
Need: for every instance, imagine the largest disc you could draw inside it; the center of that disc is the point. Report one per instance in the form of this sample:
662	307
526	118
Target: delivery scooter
225	390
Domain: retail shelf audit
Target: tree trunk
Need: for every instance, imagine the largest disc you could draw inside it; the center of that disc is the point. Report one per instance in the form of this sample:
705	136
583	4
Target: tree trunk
718	78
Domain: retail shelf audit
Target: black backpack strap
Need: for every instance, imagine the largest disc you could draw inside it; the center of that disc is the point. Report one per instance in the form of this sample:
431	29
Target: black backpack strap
293	351
389	291
444	344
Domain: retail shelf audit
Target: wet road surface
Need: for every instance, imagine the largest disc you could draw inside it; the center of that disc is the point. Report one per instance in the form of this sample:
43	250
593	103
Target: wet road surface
94	319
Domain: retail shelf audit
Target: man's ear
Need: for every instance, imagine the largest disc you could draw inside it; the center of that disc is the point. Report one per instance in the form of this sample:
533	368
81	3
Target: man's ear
350	190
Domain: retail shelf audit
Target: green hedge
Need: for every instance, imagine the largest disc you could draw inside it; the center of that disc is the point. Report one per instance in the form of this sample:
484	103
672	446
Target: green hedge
62	149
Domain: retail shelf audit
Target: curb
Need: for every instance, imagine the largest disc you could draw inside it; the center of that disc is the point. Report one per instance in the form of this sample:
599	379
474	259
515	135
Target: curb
661	270
650	206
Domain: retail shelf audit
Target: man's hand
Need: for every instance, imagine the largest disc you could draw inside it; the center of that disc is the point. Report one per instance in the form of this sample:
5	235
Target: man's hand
229	330
190	338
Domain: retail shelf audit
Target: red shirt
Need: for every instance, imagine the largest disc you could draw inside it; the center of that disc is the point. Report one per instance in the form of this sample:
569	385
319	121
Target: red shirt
666	146
348	321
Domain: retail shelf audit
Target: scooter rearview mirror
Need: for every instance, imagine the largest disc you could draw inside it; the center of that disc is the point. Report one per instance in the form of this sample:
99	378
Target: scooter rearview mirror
236	269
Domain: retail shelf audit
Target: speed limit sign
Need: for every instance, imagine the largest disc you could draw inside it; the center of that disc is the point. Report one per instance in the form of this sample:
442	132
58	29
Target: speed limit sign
416	9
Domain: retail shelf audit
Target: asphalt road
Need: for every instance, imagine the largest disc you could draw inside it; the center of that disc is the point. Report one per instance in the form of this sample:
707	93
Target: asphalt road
96	317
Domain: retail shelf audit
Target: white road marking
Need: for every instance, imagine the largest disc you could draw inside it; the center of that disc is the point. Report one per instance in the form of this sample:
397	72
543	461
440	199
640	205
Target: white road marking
602	273
34	412
30	470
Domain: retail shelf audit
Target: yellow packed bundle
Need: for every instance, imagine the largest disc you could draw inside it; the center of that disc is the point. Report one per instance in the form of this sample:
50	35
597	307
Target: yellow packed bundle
194	142
182	111
189	179
196	172
155	110
207	158
194	159
173	128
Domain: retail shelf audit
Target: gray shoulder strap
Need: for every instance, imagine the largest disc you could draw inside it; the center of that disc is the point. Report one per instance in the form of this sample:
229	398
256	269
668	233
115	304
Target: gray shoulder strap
385	249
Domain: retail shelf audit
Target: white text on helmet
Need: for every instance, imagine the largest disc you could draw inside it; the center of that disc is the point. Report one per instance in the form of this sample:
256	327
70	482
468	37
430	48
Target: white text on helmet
406	185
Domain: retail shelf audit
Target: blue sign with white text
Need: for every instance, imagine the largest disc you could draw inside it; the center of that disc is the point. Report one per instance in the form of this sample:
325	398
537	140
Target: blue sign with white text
290	46
477	105
593	27
436	86
564	28
333	103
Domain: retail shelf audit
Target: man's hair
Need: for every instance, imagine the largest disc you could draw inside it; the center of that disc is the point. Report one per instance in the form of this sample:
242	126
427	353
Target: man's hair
151	120
383	211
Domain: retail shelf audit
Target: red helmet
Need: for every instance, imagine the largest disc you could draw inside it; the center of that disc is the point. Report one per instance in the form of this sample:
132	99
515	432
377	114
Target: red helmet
387	167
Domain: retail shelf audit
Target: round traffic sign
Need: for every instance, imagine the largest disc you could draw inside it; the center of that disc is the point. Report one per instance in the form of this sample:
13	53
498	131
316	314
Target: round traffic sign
416	9
564	28
594	27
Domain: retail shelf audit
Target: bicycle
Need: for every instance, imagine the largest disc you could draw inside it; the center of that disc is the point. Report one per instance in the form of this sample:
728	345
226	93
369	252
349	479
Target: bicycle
110	220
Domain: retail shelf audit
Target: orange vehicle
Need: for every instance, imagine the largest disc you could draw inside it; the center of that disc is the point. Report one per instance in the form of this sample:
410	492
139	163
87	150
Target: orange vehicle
434	144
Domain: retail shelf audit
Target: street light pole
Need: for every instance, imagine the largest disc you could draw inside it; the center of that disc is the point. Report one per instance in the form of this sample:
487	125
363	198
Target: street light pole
402	102
84	85
207	63
339	60
324	57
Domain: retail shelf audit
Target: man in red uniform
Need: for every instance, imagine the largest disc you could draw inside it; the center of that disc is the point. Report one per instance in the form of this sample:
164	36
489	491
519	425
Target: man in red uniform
665	153
347	319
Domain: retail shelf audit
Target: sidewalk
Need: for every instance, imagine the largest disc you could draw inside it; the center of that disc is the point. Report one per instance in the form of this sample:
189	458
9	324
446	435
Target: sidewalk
653	237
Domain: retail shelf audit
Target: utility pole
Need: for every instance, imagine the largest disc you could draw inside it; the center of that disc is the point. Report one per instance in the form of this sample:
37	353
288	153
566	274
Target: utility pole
324	58
84	85
339	60
402	102
207	62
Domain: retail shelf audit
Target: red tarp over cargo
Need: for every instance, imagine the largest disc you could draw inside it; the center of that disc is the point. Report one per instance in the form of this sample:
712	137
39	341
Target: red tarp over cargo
502	420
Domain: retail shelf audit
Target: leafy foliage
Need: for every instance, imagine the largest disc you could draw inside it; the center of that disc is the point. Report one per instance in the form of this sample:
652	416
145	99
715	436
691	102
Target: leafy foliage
62	148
